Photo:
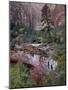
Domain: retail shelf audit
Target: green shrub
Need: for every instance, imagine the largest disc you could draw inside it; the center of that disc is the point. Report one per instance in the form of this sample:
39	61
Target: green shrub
20	77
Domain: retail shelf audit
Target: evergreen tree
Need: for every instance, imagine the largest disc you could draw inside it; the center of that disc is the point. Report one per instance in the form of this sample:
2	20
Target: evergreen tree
47	23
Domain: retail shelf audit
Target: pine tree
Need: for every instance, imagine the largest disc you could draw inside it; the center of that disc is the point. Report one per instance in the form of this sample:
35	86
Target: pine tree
47	23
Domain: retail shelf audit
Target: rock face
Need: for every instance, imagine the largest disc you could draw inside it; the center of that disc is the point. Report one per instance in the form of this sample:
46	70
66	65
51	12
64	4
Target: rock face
29	14
58	15
33	55
21	14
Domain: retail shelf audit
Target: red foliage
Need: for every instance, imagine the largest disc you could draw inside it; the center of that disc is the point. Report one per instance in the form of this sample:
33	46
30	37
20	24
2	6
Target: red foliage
13	61
36	74
13	57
